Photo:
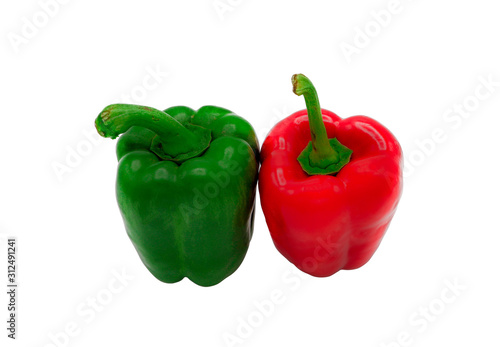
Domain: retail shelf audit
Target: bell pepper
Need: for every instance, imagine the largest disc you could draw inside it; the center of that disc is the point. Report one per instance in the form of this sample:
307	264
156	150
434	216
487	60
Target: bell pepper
328	186
185	187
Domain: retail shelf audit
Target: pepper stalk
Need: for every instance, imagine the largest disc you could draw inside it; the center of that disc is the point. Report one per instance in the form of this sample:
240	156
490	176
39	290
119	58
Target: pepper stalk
322	156
173	141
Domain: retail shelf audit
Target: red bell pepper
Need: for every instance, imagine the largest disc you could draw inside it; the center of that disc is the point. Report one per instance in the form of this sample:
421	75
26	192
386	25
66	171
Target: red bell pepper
329	187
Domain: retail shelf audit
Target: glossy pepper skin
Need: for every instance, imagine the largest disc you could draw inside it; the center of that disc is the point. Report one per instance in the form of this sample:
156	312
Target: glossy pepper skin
329	221
191	213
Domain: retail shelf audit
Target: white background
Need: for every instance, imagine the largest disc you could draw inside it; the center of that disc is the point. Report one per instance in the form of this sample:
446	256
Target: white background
61	68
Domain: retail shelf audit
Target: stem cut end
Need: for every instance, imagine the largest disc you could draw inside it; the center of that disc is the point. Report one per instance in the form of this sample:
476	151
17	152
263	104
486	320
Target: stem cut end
301	84
102	123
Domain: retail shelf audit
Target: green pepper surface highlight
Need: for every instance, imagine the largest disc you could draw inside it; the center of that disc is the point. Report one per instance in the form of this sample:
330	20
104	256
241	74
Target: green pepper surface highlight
185	187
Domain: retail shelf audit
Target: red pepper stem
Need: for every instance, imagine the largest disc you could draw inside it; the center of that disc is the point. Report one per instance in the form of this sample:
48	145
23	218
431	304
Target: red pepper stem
174	141
322	154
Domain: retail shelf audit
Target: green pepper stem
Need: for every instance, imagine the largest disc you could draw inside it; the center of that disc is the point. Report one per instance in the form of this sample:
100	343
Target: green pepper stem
322	154
174	141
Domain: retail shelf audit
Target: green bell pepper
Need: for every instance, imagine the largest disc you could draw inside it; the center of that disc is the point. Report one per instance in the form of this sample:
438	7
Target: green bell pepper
185	187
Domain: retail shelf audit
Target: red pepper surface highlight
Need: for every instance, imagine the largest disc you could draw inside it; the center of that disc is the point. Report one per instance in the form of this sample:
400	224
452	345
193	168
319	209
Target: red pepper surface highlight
325	222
